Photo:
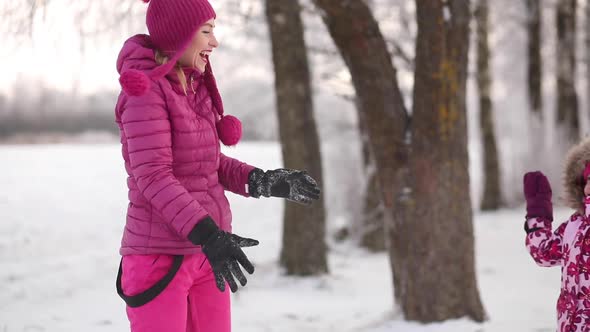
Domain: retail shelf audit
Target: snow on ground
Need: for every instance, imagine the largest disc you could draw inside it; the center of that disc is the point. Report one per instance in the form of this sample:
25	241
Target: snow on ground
62	209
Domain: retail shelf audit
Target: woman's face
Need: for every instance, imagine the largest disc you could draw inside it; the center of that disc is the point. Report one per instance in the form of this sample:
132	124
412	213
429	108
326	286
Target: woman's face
203	43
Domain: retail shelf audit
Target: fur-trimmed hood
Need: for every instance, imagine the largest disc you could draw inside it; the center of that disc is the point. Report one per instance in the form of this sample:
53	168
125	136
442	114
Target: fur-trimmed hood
575	163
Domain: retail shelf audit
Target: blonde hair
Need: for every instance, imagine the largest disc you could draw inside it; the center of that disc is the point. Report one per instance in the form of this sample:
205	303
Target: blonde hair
162	59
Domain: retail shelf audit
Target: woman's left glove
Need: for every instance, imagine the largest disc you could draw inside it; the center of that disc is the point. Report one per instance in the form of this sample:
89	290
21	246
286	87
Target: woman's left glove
296	186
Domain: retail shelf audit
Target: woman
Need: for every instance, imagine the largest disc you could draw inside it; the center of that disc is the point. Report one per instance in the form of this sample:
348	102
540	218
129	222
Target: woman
177	247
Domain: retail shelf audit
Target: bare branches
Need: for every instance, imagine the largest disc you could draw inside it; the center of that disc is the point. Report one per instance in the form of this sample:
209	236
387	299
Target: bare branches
396	50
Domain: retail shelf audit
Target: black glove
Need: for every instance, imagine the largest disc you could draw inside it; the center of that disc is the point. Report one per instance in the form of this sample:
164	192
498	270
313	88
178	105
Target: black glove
296	186
224	252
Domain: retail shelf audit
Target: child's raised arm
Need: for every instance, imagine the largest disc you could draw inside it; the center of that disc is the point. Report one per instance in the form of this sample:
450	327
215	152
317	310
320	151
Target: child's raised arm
544	245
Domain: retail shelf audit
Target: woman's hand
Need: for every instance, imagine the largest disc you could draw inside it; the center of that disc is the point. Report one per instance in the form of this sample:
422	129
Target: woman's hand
296	186
224	252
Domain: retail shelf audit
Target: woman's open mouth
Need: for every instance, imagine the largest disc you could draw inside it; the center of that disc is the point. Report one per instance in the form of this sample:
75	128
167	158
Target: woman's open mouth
205	56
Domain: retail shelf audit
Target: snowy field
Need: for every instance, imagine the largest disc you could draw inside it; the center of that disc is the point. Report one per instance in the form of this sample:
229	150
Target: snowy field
62	209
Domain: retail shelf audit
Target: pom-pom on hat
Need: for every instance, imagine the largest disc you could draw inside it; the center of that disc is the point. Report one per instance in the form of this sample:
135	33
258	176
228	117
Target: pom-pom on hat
172	25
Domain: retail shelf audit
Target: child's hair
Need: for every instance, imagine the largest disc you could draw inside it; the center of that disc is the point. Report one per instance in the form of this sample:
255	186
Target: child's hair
162	59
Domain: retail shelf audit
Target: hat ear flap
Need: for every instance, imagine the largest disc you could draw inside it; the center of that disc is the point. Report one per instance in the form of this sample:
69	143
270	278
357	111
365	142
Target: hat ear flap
229	128
211	85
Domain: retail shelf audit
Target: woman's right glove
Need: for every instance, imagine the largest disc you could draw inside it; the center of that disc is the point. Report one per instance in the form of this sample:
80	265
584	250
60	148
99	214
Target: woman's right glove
294	185
537	192
224	252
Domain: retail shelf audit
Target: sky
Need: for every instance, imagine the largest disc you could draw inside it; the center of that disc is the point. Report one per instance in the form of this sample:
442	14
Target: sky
53	55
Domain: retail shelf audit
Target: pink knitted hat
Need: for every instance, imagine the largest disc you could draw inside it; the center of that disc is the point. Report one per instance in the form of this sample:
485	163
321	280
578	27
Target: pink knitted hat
172	25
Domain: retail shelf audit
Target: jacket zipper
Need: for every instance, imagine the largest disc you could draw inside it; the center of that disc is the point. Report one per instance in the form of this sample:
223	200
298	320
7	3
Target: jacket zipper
217	148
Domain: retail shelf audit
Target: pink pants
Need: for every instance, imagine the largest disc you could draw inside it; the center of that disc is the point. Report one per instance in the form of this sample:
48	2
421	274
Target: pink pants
190	303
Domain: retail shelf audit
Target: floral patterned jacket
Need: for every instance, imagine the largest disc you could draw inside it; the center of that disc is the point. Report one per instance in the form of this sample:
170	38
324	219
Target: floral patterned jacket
569	247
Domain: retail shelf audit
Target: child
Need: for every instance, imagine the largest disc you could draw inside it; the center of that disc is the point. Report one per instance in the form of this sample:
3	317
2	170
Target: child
569	245
177	246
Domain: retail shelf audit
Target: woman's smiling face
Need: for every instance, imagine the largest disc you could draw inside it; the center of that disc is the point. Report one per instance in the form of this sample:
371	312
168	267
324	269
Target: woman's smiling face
200	48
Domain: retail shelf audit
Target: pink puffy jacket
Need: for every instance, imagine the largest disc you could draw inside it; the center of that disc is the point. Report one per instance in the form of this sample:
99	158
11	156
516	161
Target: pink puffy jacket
177	174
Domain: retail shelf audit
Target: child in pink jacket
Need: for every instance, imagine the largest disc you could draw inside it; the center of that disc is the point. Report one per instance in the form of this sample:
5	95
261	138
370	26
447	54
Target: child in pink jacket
568	245
178	251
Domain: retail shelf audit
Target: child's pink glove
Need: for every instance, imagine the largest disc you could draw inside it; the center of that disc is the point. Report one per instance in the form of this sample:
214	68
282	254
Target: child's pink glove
537	193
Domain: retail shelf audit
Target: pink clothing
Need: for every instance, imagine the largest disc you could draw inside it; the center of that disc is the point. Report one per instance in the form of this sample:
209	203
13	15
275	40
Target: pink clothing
176	172
569	247
190	303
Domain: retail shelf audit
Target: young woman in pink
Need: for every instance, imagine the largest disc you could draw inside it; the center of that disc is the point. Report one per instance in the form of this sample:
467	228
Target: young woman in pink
178	251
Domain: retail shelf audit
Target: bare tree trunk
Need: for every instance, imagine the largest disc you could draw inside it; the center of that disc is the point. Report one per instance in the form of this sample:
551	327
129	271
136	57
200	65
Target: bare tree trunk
567	100
372	225
360	42
535	63
442	263
304	247
492	195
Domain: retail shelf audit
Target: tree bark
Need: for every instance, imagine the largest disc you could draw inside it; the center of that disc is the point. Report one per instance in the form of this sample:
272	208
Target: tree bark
492	195
372	224
535	63
304	247
362	46
442	260
567	100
